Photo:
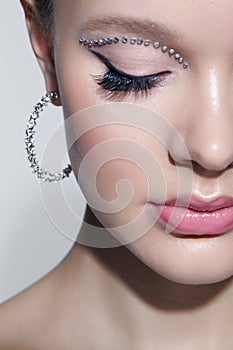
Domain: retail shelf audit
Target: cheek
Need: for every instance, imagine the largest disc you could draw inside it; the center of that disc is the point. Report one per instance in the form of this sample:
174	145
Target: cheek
119	169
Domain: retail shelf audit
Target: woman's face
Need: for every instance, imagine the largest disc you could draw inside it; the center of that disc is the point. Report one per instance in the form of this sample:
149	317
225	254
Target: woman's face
196	103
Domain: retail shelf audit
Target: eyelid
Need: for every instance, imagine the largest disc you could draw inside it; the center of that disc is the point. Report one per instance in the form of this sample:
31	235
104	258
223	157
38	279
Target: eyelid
119	71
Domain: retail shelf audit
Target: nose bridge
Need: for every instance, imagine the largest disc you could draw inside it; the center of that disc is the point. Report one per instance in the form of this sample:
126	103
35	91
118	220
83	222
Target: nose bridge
209	135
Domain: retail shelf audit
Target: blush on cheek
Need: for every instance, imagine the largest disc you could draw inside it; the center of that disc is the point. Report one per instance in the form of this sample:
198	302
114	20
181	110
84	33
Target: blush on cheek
119	170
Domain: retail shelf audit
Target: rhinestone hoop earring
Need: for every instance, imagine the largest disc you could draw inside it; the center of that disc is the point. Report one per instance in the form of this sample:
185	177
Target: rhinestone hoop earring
30	142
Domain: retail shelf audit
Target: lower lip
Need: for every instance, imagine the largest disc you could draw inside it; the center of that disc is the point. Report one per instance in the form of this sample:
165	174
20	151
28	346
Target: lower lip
192	222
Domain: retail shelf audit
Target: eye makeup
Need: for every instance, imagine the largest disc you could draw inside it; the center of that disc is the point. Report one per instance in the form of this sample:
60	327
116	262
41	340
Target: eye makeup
117	84
135	41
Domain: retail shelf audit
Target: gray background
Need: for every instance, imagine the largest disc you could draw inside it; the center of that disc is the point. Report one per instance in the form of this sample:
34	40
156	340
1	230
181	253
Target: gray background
30	244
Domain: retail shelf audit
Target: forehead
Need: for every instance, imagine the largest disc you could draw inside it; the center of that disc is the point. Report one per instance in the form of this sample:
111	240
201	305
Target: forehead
204	26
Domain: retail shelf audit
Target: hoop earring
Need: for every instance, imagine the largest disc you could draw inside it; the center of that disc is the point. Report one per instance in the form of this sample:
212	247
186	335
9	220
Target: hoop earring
30	142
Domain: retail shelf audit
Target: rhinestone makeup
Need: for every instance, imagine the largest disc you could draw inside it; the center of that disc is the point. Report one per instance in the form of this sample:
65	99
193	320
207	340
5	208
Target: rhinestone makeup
135	41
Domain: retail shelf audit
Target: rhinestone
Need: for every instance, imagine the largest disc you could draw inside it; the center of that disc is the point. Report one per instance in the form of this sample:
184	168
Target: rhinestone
133	41
156	44
181	60
110	40
164	48
116	40
29	133
91	43
32	154
177	56
95	42
43	100
30	141
185	65
37	109
139	41
54	96
32	120
171	52
31	158
31	130
124	39
147	42
81	40
29	145
100	42
47	99
67	170
85	42
105	41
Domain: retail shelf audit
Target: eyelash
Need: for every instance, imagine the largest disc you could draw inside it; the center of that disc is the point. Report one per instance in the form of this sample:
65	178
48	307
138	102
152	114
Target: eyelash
115	83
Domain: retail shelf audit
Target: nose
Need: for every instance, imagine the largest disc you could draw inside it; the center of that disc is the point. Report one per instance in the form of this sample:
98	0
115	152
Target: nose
207	127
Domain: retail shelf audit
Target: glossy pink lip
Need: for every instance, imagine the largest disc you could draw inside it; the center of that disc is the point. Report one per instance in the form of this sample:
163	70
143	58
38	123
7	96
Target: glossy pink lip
198	217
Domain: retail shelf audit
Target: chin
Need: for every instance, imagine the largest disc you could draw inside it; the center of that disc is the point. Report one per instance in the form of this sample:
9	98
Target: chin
195	261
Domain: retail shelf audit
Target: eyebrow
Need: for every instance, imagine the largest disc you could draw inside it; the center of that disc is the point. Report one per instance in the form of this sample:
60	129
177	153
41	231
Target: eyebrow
130	25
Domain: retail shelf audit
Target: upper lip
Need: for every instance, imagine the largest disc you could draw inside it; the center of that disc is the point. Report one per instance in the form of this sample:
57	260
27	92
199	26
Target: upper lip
200	204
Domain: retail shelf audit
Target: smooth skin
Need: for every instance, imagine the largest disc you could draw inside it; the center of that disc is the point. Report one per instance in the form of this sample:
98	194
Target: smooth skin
157	292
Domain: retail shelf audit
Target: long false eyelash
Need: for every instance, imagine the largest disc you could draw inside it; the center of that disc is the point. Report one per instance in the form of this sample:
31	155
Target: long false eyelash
115	83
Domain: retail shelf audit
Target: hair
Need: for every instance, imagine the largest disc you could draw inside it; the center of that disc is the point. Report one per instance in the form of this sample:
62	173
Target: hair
45	15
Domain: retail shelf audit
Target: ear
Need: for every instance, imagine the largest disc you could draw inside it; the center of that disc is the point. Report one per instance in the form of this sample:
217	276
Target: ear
42	47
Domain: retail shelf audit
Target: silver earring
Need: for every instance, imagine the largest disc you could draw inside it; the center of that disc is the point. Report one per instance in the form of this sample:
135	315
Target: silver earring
30	142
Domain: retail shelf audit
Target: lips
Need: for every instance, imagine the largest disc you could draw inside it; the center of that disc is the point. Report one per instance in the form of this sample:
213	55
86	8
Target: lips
198	217
200	205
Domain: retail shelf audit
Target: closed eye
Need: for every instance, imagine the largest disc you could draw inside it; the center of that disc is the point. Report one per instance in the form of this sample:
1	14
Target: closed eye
115	83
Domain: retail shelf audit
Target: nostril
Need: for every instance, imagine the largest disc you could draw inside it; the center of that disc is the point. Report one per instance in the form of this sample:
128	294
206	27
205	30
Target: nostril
204	172
171	160
175	161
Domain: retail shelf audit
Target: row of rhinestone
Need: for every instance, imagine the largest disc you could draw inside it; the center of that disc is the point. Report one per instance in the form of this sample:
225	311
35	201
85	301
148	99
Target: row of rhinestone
135	41
30	142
